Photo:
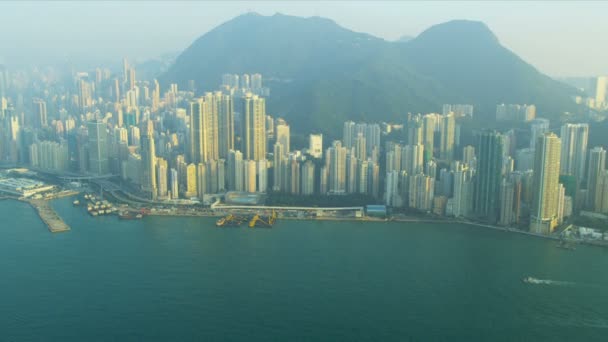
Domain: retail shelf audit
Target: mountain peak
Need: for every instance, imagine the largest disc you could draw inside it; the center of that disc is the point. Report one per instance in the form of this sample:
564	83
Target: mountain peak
459	31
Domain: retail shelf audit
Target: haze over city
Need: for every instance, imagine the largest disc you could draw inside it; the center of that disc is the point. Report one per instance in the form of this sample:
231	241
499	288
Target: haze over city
559	38
303	171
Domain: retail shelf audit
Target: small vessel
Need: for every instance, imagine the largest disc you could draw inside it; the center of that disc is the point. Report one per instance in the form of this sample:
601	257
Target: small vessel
531	280
125	215
229	220
76	203
564	245
220	222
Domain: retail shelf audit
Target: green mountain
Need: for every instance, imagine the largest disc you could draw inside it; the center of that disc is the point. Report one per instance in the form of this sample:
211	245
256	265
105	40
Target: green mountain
321	74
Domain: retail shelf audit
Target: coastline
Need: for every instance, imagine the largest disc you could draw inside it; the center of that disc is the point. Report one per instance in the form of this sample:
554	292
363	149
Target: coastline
194	214
403	220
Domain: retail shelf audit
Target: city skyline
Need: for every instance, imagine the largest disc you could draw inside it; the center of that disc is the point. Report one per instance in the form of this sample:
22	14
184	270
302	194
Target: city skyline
294	177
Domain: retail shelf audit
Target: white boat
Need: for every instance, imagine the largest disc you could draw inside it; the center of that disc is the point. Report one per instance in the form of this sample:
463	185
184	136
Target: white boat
531	280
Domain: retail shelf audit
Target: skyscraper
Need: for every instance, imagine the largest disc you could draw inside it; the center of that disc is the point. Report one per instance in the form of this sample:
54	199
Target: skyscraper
489	173
279	162
446	151
98	148
235	170
415	130
574	150
430	123
421	192
601	87
256	83
348	134
315	145
40	114
412	160
253	122
161	178
468	156
506	202
538	127
308	178
225	125
545	184
191	180
597	166
148	158
351	173
262	175
282	135
250	174
337	168
391	192
360	147
204	128
174	184
462	193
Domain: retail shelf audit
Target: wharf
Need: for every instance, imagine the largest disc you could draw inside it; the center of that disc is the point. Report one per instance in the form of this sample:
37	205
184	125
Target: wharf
49	216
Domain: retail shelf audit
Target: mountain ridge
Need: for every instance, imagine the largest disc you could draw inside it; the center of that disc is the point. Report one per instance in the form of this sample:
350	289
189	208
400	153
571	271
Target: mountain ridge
338	74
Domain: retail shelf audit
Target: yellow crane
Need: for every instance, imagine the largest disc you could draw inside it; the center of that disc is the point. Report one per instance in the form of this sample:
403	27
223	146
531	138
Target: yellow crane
258	220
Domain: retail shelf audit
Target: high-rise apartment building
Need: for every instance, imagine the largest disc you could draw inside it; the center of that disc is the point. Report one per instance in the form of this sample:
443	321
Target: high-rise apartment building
601	88
597	166
204	129
538	127
253	122
40	114
148	158
282	135
225	114
545	184
308	178
574	150
446	148
489	175
412	159
315	145
162	168
336	157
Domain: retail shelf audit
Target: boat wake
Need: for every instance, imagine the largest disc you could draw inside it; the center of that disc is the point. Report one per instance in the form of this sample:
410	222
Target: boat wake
535	281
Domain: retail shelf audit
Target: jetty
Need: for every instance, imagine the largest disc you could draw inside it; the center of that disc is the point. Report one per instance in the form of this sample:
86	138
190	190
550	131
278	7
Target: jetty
49	216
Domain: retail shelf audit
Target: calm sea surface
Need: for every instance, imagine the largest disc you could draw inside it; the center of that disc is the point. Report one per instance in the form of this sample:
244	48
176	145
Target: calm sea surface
181	279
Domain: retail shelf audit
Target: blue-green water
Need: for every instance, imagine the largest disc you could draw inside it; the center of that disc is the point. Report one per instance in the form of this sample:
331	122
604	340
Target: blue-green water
179	279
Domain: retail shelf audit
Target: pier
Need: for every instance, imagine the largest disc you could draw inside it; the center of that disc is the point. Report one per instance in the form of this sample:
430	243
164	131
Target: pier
49	216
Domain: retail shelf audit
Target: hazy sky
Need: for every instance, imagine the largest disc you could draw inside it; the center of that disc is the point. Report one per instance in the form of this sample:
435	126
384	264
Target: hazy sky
559	38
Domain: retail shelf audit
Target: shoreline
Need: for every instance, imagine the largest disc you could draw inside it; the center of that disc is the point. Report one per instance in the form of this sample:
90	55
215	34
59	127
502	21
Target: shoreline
404	220
327	218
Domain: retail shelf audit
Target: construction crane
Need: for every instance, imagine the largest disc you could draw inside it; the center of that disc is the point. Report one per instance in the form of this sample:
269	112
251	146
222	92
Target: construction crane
259	221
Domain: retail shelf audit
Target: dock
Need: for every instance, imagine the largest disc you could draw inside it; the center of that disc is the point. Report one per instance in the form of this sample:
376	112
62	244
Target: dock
49	216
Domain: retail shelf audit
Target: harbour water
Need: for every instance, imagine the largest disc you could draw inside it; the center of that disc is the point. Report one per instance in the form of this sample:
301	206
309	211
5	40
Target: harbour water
181	279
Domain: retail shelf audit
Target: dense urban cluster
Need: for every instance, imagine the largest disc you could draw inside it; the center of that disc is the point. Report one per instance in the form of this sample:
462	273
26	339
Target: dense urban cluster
181	145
